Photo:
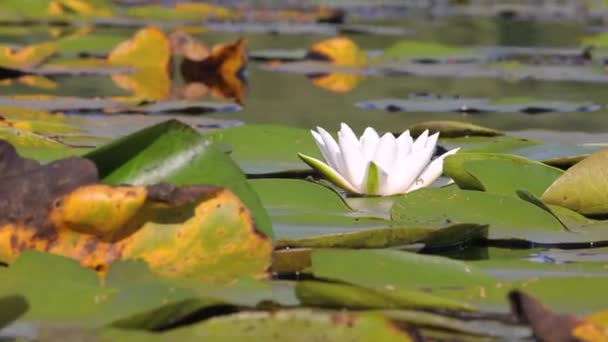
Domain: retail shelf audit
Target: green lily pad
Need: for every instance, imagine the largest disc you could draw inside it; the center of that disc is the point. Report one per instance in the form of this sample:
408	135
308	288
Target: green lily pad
501	144
267	149
174	152
396	270
302	226
499	173
417	49
12	307
484	328
291	260
37	146
508	217
129	293
92	43
582	187
453	166
280	325
537	265
331	295
434	104
291	196
453	129
362	234
585	293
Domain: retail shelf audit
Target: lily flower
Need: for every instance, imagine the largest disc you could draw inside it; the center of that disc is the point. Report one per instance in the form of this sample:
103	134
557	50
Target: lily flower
374	165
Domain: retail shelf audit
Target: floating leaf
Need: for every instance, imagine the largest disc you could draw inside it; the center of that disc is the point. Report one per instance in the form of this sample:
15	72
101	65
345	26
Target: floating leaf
344	232
454	167
150	53
36	121
173	152
499	173
396	270
26	57
472	328
334	295
438	207
581	187
504	144
62	212
453	129
205	10
282	325
429	104
417	49
289	196
339	51
12	307
129	291
187	11
273	151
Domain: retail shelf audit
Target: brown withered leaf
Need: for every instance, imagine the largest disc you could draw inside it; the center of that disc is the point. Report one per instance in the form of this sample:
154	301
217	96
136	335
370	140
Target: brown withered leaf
27	188
10	162
218	72
199	231
546	325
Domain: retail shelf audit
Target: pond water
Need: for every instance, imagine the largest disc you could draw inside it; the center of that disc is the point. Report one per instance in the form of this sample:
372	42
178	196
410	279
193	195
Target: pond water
292	99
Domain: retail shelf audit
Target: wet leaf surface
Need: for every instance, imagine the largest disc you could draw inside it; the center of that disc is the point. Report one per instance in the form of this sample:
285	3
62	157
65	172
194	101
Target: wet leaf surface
459	206
273	150
12	308
453	129
385	269
129	294
337	296
499	173
580	188
282	325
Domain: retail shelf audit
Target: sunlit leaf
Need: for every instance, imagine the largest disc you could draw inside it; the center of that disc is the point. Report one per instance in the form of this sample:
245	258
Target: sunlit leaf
582	187
149	52
26	57
452	129
340	51
173	152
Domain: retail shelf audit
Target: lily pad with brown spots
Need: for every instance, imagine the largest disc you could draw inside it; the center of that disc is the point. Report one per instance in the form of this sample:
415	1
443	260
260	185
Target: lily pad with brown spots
197	231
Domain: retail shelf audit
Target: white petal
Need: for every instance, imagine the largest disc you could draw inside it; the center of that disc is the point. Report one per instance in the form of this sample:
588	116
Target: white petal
346	131
420	142
383	179
352	157
369	142
331	174
416	162
431	172
334	159
431	142
404	143
386	152
321	145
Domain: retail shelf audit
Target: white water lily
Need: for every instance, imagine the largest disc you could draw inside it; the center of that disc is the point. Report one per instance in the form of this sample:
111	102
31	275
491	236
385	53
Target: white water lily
374	165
